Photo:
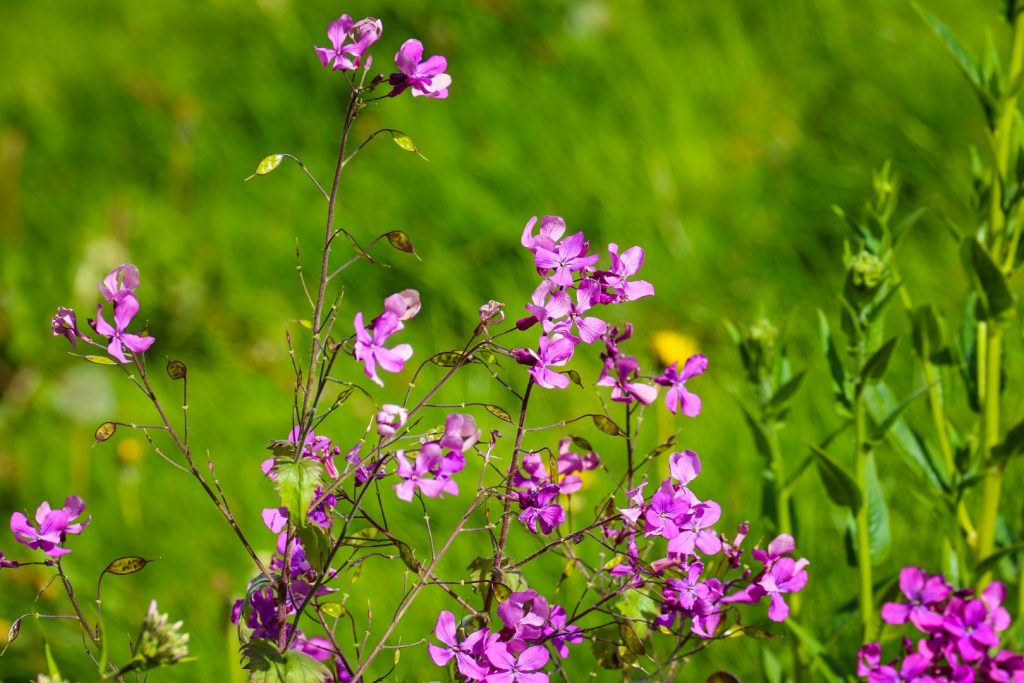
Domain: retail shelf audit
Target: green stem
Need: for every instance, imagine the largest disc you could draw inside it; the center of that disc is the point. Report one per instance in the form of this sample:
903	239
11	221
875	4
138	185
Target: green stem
992	487
862	457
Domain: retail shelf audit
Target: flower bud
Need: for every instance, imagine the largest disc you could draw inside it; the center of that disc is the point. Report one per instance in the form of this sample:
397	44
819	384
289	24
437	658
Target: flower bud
160	643
866	270
390	419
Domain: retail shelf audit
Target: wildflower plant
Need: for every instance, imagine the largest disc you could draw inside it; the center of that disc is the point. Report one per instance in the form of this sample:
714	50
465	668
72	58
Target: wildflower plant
660	580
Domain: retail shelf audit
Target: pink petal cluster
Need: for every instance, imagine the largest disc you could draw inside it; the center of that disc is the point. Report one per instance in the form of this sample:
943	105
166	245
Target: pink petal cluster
961	635
437	461
51	528
370	343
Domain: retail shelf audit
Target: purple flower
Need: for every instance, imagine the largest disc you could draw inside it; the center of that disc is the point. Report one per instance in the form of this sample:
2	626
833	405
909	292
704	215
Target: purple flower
678	396
416	476
391	418
370	349
513	669
65	323
460	432
620	373
567	257
7	564
54	526
684	467
465	658
555	350
346	56
405	304
623	266
424	77
925	593
537	508
120	282
551	230
125	309
695	530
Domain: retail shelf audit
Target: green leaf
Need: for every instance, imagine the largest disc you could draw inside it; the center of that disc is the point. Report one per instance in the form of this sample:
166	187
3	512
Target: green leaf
574	377
176	369
1012	444
266	664
996	301
581	443
100	360
606	425
840	486
105	431
400	241
878	515
296	484
359	248
964	59
909	443
889	420
269	164
316	543
835	365
498	412
405	552
446	359
406	143
639	608
760	438
988	564
333	609
663	446
828	669
126	565
926	332
631	640
781	397
878	364
362	537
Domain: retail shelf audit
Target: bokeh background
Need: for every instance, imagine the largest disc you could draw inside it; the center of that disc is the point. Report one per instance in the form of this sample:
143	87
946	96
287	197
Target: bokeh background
716	134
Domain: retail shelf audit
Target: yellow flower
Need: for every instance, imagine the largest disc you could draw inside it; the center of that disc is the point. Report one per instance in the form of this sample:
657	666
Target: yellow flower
673	347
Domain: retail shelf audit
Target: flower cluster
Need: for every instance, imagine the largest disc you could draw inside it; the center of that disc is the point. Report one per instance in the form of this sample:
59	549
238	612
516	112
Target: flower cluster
322	450
351	39
118	289
571	288
538	490
677	516
961	635
518	651
260	611
53	528
437	461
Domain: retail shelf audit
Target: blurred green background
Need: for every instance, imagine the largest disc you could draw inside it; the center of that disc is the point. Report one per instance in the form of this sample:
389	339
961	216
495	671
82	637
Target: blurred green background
715	134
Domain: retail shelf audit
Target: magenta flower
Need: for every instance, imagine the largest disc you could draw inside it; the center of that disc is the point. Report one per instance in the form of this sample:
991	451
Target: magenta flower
405	304
420	475
678	396
7	564
424	77
567	257
54	526
370	349
513	669
391	418
460	432
465	659
551	230
125	309
120	282
555	350
623	267
344	55
65	323
925	593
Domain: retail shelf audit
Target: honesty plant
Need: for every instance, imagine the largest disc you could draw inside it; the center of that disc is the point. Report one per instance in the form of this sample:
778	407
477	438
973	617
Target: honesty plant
647	582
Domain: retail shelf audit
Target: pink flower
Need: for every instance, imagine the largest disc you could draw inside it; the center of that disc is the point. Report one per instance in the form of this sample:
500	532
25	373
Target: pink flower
54	526
120	282
424	77
125	309
370	349
347	56
678	396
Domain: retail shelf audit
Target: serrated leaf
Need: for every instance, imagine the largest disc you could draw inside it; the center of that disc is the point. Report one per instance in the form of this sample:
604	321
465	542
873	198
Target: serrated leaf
400	241
126	565
446	359
877	365
410	561
840	486
498	412
105	431
266	664
100	360
296	483
269	164
606	425
631	640
996	301
176	369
